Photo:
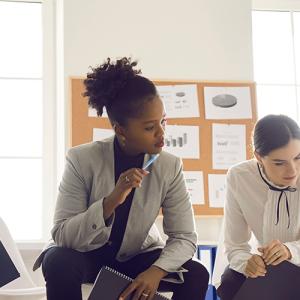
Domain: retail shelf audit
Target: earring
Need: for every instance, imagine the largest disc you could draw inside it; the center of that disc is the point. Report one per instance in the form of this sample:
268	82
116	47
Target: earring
123	140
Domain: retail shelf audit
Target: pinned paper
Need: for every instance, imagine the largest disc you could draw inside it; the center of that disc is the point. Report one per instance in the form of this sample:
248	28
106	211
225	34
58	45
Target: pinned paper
182	141
227	103
229	145
194	184
180	101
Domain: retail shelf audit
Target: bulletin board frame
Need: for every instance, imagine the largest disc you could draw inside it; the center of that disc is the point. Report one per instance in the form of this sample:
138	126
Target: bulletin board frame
81	128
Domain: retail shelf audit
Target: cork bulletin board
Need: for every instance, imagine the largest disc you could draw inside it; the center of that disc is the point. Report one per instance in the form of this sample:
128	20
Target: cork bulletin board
81	129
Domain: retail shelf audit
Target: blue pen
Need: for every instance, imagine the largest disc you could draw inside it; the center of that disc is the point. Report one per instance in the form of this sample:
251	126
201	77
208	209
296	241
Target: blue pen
150	161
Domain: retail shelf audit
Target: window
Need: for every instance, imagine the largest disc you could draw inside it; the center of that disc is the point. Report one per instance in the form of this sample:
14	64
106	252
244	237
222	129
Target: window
276	55
25	149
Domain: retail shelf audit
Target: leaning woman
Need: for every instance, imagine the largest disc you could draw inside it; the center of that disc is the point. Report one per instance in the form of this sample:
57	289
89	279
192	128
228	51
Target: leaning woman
263	200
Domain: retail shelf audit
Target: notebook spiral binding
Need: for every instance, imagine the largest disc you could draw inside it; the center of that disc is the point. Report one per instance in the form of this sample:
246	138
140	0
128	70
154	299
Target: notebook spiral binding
118	273
129	279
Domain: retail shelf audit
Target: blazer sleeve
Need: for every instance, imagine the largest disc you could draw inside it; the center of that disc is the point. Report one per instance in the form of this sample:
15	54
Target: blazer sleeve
236	230
77	225
178	224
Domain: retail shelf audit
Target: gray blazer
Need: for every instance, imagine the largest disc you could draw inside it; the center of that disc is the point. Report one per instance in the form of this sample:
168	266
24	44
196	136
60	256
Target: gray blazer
89	177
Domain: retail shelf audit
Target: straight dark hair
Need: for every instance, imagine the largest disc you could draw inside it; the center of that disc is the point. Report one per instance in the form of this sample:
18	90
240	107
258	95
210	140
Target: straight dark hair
273	132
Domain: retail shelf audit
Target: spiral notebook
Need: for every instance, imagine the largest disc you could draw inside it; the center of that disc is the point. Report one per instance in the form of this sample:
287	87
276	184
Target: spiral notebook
8	271
110	284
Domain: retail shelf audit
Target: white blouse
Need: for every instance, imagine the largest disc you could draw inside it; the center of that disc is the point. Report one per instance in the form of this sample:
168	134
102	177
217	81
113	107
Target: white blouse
251	207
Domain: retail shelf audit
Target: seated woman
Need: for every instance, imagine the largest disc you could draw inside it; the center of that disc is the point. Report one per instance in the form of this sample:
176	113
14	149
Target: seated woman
263	198
107	203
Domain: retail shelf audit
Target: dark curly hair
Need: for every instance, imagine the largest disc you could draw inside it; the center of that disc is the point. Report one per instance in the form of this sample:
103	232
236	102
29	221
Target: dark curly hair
273	132
119	87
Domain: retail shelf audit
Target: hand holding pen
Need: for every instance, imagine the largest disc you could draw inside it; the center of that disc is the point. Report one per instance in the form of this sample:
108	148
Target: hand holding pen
131	178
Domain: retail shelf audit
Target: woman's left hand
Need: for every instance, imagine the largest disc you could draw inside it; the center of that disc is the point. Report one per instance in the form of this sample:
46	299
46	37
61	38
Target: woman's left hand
145	284
275	252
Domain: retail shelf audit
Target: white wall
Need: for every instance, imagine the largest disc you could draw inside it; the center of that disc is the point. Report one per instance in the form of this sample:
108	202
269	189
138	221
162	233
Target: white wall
173	39
192	39
276	4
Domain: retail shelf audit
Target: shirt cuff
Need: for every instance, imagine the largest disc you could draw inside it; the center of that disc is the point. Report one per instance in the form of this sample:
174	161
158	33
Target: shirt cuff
295	252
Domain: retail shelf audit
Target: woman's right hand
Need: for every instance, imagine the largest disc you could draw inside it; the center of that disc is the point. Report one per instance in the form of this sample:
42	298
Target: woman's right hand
131	178
255	267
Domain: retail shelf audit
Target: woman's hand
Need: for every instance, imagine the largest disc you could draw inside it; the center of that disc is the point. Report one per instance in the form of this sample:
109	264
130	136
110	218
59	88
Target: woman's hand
255	267
145	284
131	178
275	252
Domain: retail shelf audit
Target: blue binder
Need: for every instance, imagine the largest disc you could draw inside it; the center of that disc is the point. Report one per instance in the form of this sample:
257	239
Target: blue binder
207	255
211	293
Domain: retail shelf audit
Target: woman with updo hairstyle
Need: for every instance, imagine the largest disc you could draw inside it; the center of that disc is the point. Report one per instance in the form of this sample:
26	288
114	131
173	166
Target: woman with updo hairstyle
263	200
111	194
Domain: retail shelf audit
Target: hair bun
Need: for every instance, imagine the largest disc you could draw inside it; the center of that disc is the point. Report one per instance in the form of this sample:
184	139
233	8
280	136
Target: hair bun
119	73
105	82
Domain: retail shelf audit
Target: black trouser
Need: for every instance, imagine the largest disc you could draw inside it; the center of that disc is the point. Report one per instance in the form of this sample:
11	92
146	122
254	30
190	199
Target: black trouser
281	282
231	281
66	269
